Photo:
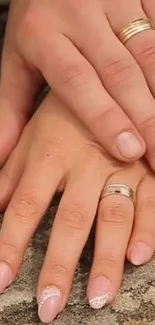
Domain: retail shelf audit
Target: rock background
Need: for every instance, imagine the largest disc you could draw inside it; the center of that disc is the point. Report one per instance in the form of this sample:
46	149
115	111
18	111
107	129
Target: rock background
4	2
135	304
3	16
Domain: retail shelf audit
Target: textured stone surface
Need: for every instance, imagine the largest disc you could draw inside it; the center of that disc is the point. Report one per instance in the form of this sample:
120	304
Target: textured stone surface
4	2
135	304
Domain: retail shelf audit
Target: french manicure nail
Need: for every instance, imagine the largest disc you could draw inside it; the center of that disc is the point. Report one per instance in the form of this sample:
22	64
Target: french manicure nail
99	292
140	254
129	146
49	304
5	276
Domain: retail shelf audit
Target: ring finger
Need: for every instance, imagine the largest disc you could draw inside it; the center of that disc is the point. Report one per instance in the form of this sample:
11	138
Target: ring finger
142	47
114	225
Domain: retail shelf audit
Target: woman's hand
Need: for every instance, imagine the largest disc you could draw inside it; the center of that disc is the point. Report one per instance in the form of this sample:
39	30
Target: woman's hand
73	44
55	153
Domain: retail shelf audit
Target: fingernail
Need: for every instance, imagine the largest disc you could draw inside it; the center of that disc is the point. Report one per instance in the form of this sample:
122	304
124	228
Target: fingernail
140	254
99	292
49	304
129	146
5	276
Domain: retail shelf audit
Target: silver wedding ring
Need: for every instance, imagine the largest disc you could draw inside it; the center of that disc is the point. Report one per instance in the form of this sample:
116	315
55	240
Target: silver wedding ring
118	189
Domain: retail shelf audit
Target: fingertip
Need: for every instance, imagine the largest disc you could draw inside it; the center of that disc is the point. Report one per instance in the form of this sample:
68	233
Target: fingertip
130	146
99	292
6	277
49	304
140	253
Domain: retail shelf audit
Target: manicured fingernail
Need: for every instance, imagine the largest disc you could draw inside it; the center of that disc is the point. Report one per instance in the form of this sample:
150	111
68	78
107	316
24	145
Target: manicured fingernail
129	146
5	276
140	254
49	304
99	292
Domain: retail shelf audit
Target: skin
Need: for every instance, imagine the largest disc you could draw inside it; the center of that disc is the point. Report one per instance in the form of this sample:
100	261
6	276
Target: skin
73	45
65	157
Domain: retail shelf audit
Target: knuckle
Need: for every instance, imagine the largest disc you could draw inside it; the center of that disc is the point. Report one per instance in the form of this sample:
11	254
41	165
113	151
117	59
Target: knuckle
29	24
110	258
58	272
114	214
107	113
148	203
148	126
9	248
94	155
73	217
147	53
7	176
76	9
94	150
75	75
58	269
117	72
24	207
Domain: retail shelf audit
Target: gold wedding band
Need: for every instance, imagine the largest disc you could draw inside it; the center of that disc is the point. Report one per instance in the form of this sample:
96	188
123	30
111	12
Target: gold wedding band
118	189
134	28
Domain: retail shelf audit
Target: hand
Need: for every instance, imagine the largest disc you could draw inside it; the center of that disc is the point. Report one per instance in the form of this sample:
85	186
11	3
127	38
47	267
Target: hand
65	158
71	43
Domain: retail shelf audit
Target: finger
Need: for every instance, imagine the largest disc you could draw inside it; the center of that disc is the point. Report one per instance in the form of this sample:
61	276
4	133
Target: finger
142	47
145	49
17	94
12	171
114	225
28	205
142	242
9	178
71	229
75	80
149	8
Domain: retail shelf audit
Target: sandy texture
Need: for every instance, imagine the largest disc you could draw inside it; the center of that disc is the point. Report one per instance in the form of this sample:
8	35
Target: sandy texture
135	304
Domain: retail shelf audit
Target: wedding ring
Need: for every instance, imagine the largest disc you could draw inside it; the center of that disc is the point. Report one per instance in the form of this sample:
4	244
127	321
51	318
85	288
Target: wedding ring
118	189
134	28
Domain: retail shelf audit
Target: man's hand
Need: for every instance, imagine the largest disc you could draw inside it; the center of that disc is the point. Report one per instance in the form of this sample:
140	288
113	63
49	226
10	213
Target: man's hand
73	45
